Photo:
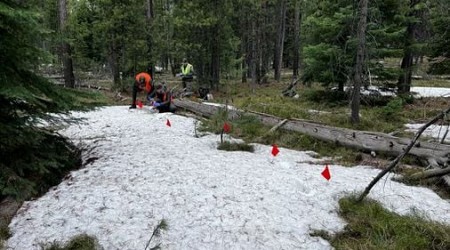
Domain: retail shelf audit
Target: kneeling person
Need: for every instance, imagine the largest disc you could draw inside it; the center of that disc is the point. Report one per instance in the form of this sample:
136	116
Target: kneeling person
163	100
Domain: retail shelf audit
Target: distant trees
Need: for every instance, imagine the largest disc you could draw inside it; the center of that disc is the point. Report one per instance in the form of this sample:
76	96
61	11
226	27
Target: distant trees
253	39
439	40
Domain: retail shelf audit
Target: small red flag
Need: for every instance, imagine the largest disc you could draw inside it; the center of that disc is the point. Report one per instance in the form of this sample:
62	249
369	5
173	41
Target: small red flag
326	173
168	123
140	104
275	150
226	127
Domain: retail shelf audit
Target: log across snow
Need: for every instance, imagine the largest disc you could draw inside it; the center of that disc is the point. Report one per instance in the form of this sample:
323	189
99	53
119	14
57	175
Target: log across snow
361	140
211	199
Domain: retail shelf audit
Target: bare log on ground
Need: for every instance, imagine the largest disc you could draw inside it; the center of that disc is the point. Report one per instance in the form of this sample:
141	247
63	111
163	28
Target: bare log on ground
434	165
402	155
361	140
437	172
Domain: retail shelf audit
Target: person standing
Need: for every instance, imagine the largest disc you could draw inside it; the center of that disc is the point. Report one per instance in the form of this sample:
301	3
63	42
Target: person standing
187	75
142	81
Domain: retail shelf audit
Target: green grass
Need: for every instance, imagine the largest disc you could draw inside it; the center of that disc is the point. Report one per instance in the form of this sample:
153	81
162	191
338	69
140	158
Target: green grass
444	83
370	226
79	242
4	232
234	146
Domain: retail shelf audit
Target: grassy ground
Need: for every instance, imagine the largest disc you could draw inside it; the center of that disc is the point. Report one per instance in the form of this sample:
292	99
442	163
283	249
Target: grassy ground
79	242
370	226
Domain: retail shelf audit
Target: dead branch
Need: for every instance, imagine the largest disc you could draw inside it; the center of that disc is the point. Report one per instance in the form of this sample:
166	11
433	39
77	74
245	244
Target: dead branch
402	155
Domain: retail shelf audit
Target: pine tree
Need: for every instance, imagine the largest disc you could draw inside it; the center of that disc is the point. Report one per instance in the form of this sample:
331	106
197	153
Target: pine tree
32	156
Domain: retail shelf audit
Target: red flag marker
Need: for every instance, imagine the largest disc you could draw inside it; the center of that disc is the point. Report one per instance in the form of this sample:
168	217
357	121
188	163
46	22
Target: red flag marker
275	150
226	127
140	104
326	173
168	123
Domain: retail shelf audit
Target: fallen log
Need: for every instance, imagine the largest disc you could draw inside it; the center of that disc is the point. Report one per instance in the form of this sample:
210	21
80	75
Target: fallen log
361	140
436	172
394	163
434	165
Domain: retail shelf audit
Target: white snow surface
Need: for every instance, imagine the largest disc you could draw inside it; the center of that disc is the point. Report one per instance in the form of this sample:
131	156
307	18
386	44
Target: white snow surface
211	199
431	91
435	131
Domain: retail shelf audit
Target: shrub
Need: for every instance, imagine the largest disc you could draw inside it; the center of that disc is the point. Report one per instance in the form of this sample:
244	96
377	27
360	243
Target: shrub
392	109
370	226
79	242
234	146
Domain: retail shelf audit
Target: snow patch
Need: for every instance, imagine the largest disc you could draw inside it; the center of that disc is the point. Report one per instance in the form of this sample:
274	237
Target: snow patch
211	199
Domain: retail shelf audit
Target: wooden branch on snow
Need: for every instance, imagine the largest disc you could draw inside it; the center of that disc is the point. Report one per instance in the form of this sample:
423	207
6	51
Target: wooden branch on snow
362	140
402	155
279	125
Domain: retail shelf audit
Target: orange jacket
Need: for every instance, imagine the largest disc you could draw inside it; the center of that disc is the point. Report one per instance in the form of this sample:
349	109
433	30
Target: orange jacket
148	80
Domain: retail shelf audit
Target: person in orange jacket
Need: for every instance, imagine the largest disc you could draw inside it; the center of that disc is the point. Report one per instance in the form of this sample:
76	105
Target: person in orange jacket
142	81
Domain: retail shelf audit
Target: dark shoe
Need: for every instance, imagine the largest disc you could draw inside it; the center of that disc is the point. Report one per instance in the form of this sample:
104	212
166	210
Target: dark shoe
133	107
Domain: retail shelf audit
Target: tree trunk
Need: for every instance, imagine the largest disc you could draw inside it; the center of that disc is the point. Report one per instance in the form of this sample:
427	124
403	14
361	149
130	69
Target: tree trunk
244	49
404	81
149	17
296	46
215	58
278	55
65	50
244	61
114	62
253	57
264	42
360	60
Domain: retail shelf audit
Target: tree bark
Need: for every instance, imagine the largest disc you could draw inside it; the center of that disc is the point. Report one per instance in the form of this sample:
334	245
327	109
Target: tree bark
65	49
264	43
360	60
278	55
296	45
149	17
244	49
253	57
114	61
215	59
216	46
404	81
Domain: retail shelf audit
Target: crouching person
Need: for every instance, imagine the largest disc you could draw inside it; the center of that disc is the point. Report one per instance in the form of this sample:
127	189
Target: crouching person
163	100
143	81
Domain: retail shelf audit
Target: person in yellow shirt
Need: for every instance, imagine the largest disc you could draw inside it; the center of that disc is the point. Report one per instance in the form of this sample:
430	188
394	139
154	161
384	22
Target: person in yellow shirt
187	75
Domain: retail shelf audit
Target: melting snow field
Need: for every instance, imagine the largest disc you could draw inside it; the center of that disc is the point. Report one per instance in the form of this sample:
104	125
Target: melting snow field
435	131
211	199
431	91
